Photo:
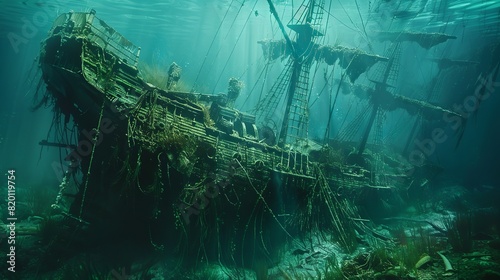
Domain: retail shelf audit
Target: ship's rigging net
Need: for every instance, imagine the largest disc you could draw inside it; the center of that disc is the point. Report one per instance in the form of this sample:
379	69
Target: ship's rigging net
292	85
266	110
291	93
387	73
385	79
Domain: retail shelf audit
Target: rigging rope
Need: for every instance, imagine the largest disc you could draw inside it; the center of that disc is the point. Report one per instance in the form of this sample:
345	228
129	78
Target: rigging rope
211	45
354	126
263	72
364	27
234	20
98	129
327	78
341	22
379	128
230	27
234	46
348	16
400	125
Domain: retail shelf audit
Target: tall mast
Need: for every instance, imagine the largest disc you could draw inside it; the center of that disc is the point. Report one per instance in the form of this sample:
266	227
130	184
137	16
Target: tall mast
380	89
295	116
291	90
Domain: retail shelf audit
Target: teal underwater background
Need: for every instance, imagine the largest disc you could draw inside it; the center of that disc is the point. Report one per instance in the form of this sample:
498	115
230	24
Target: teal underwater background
215	40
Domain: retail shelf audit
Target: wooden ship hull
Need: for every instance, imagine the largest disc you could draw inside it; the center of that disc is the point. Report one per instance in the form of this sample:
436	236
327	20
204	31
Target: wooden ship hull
163	169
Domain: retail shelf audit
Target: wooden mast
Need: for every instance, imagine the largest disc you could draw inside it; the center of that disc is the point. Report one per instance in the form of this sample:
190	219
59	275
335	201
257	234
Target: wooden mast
380	89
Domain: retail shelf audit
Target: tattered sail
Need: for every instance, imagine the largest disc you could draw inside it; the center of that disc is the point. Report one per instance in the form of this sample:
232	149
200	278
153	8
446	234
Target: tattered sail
354	61
425	40
445	63
291	90
414	106
391	101
293	85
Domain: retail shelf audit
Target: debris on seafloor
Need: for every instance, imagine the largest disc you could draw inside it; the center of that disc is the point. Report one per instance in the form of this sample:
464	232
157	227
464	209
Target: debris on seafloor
425	259
448	269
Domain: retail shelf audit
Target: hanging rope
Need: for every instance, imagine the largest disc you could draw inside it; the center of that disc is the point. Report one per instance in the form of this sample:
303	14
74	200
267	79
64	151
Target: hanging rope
259	194
225	38
234	47
234	20
262	73
90	162
211	45
352	128
327	78
363	24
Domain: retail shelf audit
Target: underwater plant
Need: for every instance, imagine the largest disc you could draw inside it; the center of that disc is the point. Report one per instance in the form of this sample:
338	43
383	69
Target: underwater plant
459	231
392	260
332	270
42	198
154	75
48	229
85	268
162	78
260	267
418	245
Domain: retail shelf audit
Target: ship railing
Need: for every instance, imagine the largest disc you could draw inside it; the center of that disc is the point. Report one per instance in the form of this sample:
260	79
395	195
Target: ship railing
97	31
